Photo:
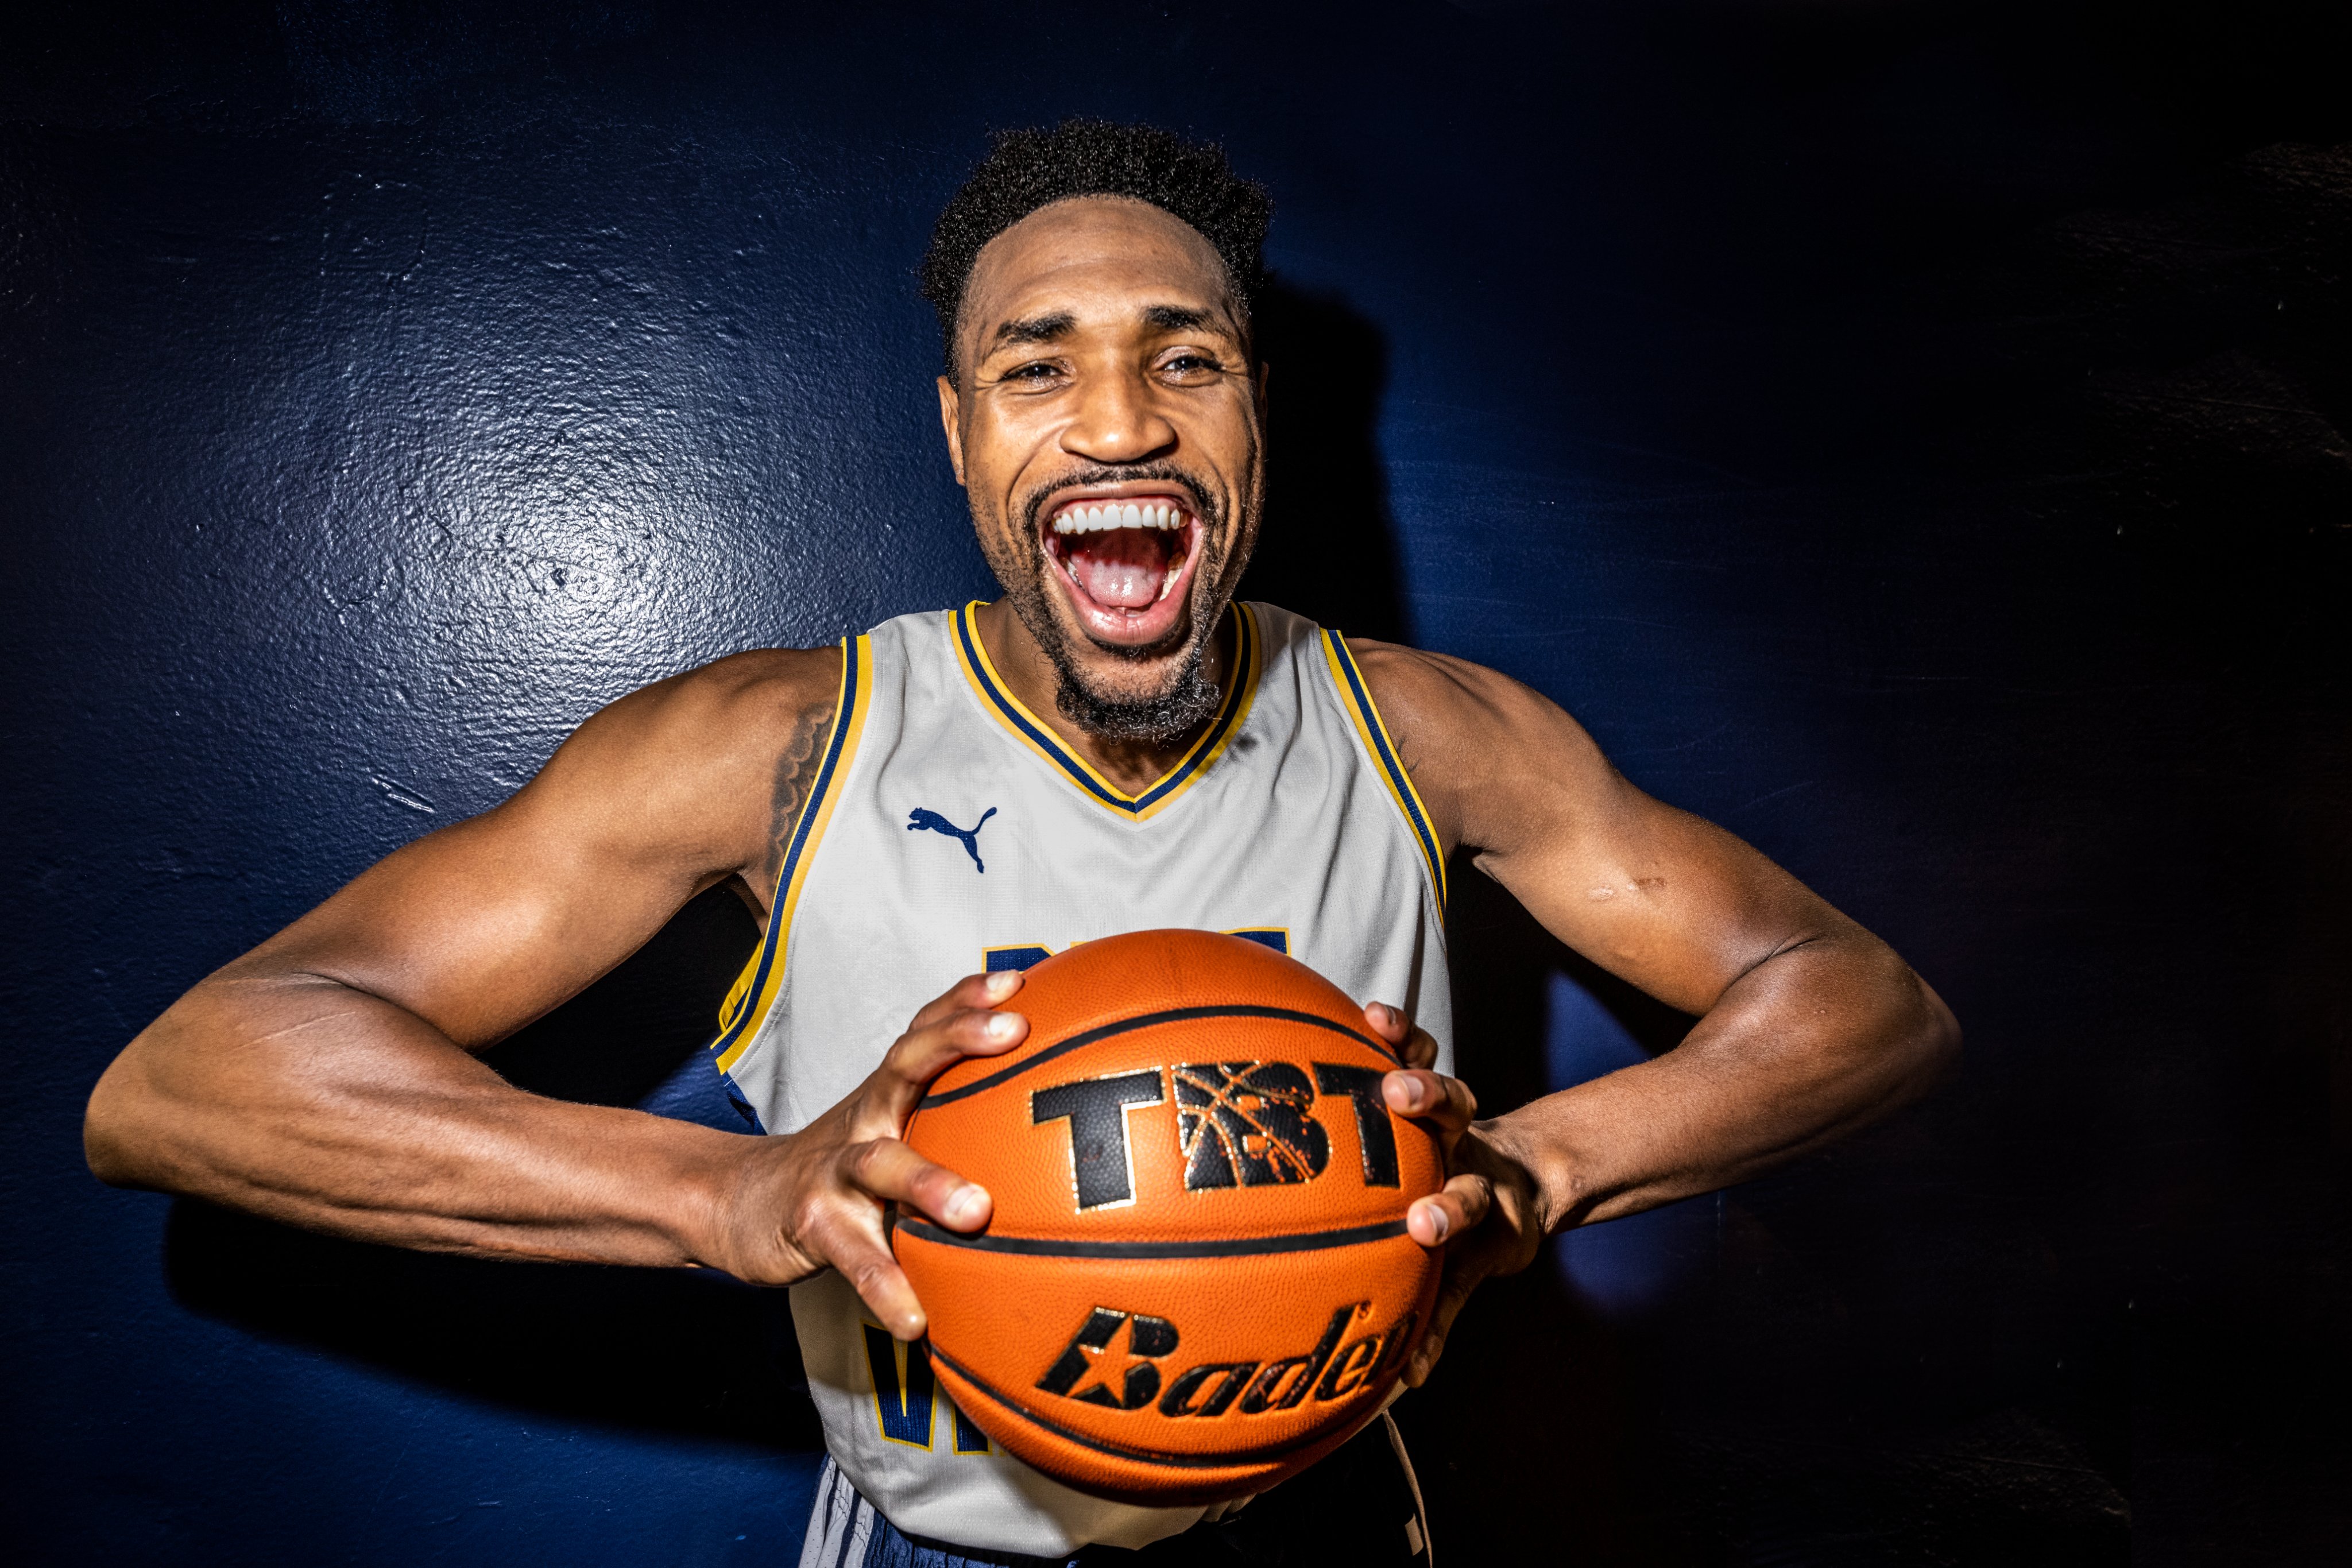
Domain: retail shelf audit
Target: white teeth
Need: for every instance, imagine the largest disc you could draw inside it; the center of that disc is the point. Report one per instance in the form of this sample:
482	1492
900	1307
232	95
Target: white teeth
1094	520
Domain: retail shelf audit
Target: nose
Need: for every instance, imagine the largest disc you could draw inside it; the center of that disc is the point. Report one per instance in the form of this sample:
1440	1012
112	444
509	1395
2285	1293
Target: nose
1117	421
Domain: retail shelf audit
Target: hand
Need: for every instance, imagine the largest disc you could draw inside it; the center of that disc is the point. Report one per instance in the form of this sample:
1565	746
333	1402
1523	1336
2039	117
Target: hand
819	1198
1488	1216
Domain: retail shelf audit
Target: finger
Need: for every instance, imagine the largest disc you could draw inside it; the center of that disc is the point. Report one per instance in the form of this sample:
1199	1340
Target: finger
1415	1046
894	1173
972	991
1431	1096
922	1054
854	1246
1453	1211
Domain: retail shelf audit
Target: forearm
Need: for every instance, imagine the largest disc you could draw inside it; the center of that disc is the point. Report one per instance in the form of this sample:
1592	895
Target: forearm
321	1105
1811	1044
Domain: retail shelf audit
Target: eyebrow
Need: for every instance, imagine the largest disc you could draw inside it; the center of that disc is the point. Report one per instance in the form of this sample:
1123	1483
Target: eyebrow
1176	317
1059	324
1035	329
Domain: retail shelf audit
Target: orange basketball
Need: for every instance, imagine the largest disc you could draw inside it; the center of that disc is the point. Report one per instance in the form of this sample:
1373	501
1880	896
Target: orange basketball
1196	1281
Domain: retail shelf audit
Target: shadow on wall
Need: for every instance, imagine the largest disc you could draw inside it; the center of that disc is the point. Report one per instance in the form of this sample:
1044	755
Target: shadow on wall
626	1347
1330	548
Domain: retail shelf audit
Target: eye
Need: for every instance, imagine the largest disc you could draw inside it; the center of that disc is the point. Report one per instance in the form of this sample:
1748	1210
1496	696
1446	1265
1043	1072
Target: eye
1191	365
1035	371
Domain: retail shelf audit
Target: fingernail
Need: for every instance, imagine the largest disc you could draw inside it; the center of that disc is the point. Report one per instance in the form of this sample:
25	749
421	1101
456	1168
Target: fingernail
1004	1026
1438	1224
1002	984
965	1204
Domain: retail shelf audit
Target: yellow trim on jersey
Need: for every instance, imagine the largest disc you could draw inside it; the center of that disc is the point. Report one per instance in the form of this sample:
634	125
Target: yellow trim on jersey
1356	696
997	700
755	989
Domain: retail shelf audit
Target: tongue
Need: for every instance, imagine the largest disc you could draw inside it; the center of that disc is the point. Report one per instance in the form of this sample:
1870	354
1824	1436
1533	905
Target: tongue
1122	568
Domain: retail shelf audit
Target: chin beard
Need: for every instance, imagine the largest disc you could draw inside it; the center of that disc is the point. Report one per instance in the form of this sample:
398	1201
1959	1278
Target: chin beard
1189	701
1187	697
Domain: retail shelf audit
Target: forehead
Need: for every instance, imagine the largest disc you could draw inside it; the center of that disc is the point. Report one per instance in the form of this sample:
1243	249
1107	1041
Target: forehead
1093	256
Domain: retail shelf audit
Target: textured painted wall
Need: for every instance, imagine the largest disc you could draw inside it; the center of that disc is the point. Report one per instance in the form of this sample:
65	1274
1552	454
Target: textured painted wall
1913	440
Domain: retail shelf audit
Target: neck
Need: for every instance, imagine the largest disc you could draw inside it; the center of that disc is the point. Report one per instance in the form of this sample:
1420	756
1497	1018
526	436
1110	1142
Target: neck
1133	766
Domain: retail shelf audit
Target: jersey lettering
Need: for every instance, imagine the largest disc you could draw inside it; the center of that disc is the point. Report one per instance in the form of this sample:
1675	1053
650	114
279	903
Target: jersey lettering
904	1405
1029	954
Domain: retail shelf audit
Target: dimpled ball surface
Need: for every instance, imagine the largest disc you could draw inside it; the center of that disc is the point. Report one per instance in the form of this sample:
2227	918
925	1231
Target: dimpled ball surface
1196	1280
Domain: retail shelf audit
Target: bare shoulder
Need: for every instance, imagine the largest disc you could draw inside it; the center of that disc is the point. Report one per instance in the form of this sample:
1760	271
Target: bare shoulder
1482	748
743	699
692	763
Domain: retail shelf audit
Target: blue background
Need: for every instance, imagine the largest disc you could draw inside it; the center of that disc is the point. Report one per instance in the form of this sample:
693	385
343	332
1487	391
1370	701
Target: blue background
1910	435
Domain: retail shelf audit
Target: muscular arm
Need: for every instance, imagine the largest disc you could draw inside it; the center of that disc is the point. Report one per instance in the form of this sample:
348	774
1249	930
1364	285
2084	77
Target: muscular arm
1809	1026
328	1078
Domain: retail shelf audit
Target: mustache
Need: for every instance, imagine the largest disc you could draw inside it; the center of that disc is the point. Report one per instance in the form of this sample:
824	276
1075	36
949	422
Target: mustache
1033	505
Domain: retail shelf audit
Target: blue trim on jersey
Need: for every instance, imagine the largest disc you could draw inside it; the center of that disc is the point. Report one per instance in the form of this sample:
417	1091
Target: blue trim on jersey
742	1104
1402	782
1048	742
749	1013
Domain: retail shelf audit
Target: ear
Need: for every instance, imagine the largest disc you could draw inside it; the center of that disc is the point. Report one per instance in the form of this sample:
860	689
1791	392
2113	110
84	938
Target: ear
951	422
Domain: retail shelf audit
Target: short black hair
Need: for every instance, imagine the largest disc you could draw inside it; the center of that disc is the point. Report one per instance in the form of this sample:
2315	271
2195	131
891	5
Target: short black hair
1026	170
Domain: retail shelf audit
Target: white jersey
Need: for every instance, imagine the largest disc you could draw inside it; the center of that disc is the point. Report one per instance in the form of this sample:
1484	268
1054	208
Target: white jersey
951	830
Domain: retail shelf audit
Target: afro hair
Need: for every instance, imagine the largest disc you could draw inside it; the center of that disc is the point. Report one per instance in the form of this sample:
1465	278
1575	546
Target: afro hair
1026	170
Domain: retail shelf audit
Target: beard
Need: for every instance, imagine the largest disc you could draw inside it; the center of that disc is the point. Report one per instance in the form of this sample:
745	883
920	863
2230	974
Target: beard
1184	697
1188	700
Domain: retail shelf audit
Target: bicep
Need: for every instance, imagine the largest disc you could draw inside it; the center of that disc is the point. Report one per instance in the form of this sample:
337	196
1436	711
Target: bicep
483	926
1662	899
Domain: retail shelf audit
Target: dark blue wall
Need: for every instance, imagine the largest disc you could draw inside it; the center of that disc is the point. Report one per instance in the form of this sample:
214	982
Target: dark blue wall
1909	435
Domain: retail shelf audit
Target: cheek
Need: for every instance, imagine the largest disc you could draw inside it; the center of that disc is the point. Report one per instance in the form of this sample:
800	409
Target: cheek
1004	447
1230	433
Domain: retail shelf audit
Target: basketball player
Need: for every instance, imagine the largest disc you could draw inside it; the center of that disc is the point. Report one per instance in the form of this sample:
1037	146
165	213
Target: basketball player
1115	744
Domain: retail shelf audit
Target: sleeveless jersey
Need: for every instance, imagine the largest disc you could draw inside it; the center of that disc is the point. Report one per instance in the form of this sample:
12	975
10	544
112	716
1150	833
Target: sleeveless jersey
951	830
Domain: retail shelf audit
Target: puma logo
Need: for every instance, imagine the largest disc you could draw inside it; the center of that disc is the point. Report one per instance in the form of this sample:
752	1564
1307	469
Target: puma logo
922	820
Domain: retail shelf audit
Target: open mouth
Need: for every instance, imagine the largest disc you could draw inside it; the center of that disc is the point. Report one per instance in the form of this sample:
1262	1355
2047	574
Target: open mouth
1128	562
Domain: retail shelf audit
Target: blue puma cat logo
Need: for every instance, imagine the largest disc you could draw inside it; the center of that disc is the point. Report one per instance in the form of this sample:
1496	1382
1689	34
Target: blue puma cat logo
921	819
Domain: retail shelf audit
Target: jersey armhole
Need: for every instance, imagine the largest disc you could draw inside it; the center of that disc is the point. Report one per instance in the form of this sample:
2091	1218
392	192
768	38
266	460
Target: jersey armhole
754	991
1355	698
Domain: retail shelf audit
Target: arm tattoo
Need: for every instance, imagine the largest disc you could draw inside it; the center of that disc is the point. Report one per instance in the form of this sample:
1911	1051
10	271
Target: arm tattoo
796	771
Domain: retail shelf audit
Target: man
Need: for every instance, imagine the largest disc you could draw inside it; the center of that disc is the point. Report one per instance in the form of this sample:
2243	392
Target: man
1115	745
